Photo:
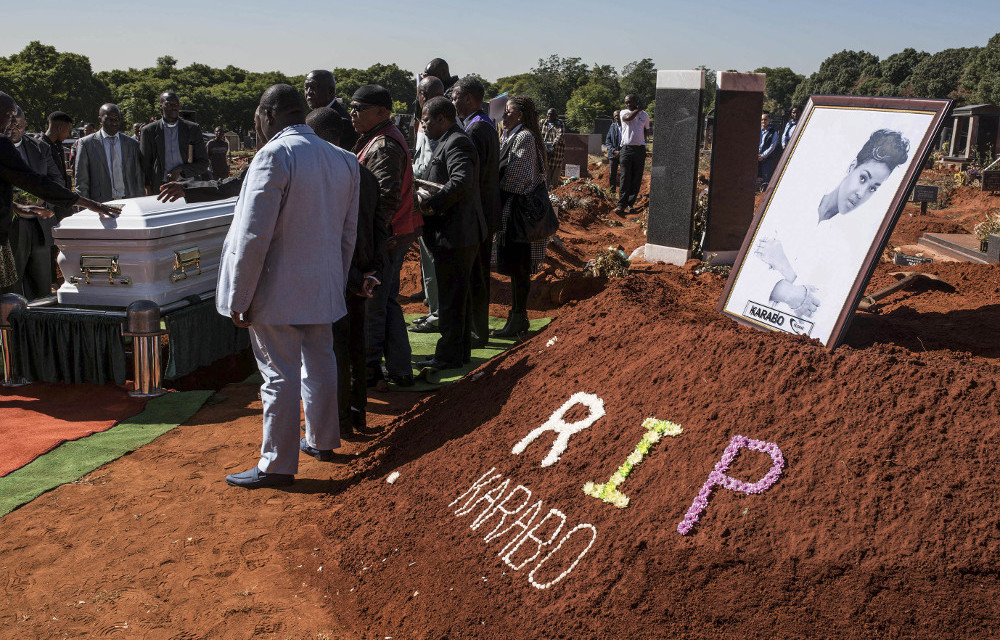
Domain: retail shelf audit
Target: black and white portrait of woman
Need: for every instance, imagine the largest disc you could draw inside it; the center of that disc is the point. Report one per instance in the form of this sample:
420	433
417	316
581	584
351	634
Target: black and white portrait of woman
823	218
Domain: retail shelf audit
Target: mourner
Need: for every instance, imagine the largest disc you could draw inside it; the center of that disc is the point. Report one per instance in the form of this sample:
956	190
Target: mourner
108	165
454	228
31	238
383	150
427	88
297	214
467	96
172	147
320	89
15	173
365	275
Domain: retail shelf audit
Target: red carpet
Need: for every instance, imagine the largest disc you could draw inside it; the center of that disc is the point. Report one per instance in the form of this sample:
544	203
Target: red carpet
34	419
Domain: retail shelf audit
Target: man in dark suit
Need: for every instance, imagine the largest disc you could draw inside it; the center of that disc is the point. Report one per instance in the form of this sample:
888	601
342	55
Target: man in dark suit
172	148
454	229
60	128
467	96
31	238
365	274
320	88
108	166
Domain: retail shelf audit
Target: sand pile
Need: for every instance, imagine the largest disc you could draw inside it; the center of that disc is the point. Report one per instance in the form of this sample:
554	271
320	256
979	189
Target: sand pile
881	524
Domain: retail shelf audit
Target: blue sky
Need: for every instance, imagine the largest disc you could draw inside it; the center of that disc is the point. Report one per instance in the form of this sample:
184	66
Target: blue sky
296	36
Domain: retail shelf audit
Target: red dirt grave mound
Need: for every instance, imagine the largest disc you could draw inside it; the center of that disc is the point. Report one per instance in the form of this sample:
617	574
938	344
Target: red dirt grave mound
881	524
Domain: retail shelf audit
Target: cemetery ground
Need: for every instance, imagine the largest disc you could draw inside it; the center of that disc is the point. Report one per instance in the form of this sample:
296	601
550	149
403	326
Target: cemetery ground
883	522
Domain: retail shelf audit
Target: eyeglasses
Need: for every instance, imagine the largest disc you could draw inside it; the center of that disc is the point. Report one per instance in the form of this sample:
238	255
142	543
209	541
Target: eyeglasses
358	107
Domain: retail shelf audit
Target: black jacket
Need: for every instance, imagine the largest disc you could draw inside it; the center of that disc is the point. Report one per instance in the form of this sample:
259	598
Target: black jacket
209	190
40	160
153	155
373	232
484	136
14	173
455	217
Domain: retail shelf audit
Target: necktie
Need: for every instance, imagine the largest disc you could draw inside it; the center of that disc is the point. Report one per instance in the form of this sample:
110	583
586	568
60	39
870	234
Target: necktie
117	181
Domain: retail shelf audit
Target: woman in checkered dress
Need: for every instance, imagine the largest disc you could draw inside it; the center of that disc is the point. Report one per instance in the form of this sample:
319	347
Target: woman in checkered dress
522	162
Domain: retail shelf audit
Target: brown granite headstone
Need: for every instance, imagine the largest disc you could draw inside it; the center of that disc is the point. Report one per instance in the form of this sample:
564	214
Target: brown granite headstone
738	106
577	146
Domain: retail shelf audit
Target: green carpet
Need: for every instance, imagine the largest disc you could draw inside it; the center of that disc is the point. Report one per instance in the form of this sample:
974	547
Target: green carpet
422	346
72	460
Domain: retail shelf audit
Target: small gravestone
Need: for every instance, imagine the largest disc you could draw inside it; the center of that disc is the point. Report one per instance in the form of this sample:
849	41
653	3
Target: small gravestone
991	181
577	147
601	126
924	193
233	139
674	173
738	105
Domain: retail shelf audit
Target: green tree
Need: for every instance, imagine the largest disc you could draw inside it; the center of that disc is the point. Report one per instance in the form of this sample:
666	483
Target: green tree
606	76
43	80
639	78
780	85
938	75
399	82
898	68
981	77
587	102
553	81
839	75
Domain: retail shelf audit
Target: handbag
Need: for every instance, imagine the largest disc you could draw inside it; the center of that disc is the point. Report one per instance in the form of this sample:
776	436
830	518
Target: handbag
8	270
532	217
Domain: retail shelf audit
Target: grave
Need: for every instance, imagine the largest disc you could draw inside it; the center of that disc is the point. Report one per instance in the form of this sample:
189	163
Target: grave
233	139
738	105
963	247
602	124
674	172
974	129
576	150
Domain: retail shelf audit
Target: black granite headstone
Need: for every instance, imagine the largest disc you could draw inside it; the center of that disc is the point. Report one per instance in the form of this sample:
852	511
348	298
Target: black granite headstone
674	173
738	106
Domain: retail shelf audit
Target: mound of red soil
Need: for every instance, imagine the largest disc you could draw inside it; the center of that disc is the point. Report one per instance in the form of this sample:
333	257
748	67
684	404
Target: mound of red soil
881	524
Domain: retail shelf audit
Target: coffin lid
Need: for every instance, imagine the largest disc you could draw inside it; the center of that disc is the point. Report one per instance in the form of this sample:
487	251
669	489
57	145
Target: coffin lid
147	218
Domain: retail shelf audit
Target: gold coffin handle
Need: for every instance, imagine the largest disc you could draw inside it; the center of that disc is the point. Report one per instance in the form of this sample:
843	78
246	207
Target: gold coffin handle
185	260
92	265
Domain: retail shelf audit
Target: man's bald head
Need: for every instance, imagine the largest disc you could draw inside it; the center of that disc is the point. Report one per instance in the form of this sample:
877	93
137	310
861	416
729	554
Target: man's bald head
438	68
327	124
429	87
320	88
111	118
281	106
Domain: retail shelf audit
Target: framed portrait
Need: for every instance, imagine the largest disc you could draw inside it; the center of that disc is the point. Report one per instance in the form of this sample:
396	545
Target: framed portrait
821	228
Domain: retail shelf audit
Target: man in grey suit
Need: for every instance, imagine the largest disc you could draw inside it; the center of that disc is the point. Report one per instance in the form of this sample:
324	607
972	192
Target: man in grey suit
107	163
283	274
31	238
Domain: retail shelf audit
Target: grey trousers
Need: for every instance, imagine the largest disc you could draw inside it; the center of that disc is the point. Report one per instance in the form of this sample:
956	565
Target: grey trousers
430	279
297	363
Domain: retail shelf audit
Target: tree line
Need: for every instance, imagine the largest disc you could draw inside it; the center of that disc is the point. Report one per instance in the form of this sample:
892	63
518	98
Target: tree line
43	79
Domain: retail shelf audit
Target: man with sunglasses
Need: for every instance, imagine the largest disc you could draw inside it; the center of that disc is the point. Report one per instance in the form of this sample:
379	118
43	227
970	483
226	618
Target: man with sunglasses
382	149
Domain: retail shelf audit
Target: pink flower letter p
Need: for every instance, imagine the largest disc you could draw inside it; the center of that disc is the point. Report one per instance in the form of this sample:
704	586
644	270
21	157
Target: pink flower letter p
718	477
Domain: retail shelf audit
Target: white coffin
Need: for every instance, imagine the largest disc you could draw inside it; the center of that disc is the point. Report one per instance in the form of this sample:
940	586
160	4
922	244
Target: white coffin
152	251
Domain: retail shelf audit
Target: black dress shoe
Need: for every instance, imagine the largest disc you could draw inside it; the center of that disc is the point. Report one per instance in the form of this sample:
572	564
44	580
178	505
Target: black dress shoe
255	479
405	380
424	327
323	455
517	324
440	365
